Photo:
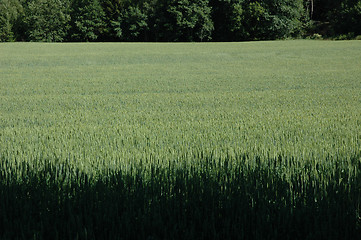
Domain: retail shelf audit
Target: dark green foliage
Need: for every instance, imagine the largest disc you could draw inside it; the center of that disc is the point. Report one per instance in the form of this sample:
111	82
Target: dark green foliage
348	18
87	20
208	201
255	21
339	17
132	24
228	17
283	17
47	20
11	13
112	8
182	21
251	20
176	20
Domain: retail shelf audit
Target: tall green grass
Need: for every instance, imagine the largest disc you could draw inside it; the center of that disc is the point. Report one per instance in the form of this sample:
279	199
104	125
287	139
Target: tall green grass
256	140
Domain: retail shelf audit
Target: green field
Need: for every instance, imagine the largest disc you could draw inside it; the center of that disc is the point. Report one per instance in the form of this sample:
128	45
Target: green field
253	140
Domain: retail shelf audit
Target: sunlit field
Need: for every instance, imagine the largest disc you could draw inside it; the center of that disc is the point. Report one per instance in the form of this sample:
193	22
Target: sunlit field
253	140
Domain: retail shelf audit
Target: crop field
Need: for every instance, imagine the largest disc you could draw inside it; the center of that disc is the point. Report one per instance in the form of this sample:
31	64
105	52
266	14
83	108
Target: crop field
253	140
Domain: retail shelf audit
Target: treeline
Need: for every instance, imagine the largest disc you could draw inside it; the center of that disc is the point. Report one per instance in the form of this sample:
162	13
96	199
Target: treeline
176	20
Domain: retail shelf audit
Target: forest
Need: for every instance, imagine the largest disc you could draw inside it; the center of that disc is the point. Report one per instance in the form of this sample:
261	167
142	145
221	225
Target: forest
177	20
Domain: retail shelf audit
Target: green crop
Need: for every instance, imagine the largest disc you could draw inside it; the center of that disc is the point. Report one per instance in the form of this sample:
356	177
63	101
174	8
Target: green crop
180	141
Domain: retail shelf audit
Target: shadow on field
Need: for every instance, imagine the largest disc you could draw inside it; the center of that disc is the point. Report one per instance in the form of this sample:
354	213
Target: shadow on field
184	203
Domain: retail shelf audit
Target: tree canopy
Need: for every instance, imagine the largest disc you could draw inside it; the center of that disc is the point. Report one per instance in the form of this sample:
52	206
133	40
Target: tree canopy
175	20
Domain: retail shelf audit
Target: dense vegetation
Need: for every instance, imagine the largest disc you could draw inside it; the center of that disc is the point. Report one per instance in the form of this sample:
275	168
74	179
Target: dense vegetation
176	20
257	140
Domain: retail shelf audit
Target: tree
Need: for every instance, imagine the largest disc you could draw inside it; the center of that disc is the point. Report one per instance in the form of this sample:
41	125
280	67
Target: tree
239	20
347	18
88	20
320	9
184	20
112	10
283	18
227	16
132	24
11	11
255	21
47	20
309	8
337	17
